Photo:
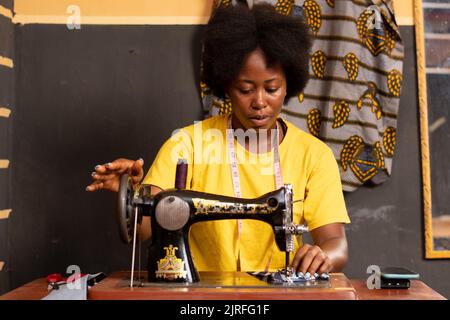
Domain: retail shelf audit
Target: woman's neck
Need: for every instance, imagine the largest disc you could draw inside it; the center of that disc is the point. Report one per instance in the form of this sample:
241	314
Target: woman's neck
264	137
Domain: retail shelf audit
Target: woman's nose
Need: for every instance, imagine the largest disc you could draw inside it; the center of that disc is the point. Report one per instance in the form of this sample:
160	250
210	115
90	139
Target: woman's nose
259	101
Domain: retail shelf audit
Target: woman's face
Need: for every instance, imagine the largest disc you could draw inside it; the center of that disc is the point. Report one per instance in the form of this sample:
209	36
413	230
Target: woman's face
257	94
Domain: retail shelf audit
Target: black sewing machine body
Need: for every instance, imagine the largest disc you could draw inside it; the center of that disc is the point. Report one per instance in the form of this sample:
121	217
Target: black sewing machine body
192	207
173	212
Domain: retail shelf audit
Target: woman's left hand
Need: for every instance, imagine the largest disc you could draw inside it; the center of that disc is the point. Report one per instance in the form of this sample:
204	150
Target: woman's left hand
329	254
311	259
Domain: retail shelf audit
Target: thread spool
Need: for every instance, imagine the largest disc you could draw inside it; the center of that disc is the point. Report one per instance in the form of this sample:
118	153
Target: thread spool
181	174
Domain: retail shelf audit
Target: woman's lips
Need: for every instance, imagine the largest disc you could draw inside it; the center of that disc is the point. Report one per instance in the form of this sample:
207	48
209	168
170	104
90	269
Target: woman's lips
259	121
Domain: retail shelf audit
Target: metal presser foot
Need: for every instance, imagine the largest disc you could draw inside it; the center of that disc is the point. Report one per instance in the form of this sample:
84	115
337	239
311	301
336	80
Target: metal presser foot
287	275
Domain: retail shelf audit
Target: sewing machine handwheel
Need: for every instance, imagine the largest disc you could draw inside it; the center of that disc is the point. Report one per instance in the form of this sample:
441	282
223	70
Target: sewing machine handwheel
125	212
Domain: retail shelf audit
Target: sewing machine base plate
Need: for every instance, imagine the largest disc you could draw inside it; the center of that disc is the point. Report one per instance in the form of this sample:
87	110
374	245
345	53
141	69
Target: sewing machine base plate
227	280
220	286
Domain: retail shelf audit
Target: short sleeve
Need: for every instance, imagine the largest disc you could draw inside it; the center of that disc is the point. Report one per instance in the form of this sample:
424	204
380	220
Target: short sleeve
163	170
324	201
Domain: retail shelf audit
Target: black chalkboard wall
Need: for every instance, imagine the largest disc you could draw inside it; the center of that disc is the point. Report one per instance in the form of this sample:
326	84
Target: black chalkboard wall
6	103
89	96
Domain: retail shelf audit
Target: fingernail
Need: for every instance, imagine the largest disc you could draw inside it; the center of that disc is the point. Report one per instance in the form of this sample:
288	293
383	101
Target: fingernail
93	174
97	166
87	189
142	160
307	274
108	164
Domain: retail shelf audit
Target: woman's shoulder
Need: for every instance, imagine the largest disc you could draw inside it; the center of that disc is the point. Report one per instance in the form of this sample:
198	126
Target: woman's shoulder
304	140
215	122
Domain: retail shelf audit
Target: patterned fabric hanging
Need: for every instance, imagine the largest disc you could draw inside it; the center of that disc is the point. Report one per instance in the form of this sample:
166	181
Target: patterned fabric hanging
352	99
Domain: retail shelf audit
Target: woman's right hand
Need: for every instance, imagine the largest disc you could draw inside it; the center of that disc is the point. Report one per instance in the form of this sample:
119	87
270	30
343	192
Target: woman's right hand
107	176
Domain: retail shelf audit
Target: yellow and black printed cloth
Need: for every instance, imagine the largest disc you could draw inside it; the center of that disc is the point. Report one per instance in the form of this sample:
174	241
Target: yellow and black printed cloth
352	98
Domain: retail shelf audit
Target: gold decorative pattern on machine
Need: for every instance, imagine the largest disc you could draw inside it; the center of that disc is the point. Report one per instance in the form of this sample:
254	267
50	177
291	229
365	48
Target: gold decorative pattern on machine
171	267
205	206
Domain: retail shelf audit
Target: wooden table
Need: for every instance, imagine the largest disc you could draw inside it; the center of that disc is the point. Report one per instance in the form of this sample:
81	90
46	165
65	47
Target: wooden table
113	287
417	291
231	286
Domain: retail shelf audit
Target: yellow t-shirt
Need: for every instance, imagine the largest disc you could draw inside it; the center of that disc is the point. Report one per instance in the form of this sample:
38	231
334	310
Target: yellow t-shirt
306	162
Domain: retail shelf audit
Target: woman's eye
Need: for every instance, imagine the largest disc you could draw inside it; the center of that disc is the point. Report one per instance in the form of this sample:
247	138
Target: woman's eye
249	91
245	91
272	90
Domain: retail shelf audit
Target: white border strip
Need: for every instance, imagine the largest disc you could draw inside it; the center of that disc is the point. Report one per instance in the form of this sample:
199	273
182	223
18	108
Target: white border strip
114	20
139	20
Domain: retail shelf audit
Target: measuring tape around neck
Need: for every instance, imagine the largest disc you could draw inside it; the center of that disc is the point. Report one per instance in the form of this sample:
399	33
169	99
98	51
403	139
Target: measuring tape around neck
235	171
233	160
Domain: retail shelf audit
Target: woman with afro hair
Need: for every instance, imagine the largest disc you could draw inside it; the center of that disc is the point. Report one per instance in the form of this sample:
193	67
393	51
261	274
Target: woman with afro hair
254	59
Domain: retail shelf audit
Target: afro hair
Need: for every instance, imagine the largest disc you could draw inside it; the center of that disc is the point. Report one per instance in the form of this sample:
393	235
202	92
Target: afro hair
235	31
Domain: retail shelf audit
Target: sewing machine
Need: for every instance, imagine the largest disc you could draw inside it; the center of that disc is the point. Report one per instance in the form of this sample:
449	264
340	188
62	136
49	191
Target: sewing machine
174	211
